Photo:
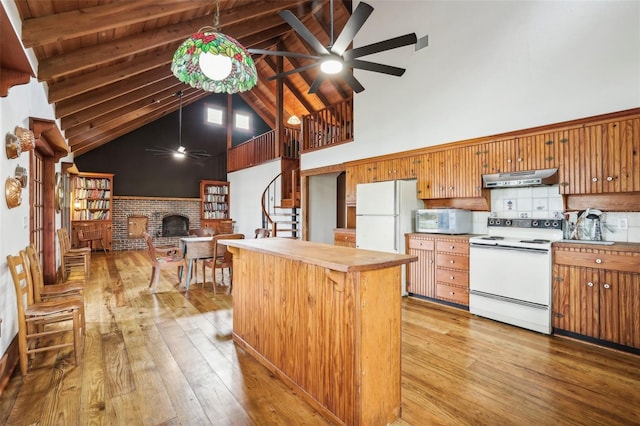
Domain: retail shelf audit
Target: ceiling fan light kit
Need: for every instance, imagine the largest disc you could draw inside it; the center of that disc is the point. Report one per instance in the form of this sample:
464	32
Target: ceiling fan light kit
337	56
181	152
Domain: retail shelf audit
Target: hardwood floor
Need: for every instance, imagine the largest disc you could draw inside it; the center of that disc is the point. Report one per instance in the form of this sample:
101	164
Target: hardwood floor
169	359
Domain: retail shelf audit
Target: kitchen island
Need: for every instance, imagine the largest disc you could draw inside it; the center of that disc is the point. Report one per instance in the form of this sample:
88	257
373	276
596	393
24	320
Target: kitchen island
326	320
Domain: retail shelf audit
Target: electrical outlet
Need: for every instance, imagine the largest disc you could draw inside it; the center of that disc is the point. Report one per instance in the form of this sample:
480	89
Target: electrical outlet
622	223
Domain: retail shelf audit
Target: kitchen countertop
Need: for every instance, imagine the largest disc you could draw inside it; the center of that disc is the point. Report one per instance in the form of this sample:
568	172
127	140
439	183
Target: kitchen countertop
616	246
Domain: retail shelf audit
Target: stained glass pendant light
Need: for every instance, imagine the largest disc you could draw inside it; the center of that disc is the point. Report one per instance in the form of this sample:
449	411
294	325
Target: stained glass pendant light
214	62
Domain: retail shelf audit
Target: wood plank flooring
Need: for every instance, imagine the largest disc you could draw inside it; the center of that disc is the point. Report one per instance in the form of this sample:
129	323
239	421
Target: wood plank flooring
167	359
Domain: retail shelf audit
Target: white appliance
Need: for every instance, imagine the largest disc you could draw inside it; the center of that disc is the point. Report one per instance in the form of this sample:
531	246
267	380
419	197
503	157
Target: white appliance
384	213
510	272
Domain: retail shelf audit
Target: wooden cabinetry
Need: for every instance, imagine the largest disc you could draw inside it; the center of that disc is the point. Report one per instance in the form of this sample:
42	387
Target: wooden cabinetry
214	205
602	158
345	237
596	292
91	205
442	269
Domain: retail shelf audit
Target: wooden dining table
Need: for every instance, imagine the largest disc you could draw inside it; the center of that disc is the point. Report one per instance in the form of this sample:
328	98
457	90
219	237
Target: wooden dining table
194	248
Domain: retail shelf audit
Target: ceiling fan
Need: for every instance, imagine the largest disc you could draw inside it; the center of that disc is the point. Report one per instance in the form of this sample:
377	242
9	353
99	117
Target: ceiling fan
333	59
181	151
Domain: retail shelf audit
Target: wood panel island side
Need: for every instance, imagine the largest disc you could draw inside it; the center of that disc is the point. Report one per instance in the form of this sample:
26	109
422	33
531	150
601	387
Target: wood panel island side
326	320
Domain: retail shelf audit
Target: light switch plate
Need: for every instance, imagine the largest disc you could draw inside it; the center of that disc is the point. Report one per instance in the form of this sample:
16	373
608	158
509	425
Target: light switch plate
622	223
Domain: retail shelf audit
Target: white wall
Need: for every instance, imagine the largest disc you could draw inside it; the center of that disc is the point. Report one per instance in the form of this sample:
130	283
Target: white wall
22	102
246	187
323	207
490	67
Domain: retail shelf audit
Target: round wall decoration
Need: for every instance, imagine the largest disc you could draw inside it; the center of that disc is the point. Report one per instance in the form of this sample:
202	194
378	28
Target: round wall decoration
59	193
13	192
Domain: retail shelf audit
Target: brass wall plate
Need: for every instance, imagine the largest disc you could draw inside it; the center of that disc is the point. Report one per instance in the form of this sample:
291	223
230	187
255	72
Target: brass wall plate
13	192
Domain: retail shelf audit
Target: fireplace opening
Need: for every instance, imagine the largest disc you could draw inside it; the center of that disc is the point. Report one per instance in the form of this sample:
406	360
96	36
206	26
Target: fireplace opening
175	225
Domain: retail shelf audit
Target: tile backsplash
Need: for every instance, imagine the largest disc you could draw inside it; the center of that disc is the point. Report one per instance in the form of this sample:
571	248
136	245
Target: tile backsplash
538	202
545	202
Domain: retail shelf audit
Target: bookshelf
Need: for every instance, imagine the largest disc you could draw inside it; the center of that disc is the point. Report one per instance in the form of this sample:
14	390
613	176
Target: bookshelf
91	205
214	206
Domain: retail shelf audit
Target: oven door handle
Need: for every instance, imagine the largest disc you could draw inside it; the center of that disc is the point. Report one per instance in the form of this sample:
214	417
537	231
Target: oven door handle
511	248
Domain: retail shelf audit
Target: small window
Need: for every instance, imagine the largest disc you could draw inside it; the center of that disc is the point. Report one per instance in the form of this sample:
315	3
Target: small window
214	115
243	121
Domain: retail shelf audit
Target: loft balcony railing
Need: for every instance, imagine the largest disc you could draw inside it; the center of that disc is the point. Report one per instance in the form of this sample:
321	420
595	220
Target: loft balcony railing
321	129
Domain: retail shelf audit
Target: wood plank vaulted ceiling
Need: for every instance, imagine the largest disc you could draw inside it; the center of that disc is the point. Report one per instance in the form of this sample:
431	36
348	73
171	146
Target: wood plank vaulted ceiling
107	62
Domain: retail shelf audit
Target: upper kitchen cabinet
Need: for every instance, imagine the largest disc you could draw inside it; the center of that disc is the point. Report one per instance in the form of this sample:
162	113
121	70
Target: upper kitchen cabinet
527	152
453	173
602	158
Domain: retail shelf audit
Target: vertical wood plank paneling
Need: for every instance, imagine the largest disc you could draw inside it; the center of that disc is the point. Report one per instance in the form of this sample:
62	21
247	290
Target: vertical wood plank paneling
302	319
609	324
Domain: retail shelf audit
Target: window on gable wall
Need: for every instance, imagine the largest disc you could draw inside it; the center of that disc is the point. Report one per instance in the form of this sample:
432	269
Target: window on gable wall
214	115
243	121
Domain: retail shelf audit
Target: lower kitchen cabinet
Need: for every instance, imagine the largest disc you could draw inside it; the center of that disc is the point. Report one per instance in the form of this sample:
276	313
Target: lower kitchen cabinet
596	292
442	269
344	237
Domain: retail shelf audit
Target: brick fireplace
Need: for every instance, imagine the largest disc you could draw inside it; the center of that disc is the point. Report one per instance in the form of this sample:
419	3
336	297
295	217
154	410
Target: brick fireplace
156	209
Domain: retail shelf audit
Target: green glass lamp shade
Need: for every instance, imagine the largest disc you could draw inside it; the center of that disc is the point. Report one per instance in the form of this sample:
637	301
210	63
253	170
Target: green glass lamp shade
202	61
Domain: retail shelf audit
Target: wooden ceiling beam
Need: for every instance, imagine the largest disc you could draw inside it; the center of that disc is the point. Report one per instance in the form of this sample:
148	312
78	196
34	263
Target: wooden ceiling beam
149	94
233	25
293	89
90	20
132	121
123	87
101	77
140	105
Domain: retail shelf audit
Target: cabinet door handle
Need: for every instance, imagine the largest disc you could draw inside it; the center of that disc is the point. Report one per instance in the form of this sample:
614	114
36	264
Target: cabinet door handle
590	284
452	247
452	293
451	277
452	261
598	261
609	178
606	286
594	179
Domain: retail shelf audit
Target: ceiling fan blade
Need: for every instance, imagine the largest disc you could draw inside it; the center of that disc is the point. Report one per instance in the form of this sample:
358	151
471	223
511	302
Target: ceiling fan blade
351	28
307	35
293	71
279	53
316	83
372	66
159	150
352	82
381	46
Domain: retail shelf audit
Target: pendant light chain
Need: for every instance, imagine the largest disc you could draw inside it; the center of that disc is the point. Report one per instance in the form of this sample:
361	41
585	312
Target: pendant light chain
180	121
216	18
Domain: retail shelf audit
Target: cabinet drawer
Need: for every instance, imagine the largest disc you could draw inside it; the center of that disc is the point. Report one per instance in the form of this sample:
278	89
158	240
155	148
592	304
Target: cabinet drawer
452	294
453	247
452	261
617	262
416	243
452	276
345	237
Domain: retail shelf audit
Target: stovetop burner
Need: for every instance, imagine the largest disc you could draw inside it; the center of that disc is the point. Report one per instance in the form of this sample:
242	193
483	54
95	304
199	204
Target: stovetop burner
492	237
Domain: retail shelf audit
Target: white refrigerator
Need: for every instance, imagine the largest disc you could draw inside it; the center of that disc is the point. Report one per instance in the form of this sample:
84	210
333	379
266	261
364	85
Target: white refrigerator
384	213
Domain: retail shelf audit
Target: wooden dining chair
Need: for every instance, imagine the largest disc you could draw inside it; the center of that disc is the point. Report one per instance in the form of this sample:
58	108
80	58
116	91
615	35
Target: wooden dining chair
163	259
90	234
262	233
67	291
39	323
200	232
222	258
72	259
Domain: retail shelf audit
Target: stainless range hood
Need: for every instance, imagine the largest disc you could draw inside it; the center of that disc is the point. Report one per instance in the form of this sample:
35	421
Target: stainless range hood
521	179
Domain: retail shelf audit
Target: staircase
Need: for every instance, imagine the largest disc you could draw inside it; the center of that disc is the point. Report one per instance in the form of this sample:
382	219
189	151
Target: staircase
281	205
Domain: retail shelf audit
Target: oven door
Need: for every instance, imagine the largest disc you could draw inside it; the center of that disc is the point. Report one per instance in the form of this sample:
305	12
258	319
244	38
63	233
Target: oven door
511	272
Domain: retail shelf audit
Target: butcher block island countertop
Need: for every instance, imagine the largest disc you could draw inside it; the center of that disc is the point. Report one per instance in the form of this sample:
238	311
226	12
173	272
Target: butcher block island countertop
326	320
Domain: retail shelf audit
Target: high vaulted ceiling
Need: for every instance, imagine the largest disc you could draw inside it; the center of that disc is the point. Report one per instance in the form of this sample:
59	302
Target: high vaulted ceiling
107	62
